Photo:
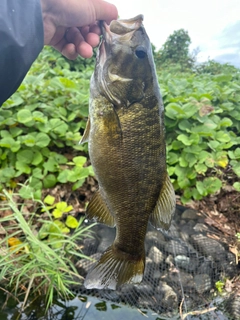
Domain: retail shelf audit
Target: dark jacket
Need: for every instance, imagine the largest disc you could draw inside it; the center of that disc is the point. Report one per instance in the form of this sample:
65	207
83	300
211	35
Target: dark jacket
21	40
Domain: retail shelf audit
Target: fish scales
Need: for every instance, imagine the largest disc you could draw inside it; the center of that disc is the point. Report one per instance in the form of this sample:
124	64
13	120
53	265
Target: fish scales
127	151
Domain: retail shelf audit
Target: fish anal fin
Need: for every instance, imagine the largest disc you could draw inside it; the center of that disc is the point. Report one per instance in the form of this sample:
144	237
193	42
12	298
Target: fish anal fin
162	214
98	210
85	136
113	269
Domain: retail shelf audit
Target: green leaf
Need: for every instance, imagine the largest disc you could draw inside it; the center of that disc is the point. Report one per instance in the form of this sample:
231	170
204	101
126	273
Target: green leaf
184	139
71	222
200	168
26	192
236	185
37	173
49	181
222	136
24	116
225	122
25	156
173	110
61	208
37	158
42	140
23	167
49	200
78	184
236	167
10	143
79	161
63	176
172	158
223	78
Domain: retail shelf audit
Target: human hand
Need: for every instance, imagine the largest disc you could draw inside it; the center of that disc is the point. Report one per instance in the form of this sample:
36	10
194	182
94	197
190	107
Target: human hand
70	26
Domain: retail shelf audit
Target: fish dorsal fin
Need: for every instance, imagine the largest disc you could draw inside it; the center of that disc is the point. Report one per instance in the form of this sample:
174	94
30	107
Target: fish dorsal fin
162	214
85	136
98	210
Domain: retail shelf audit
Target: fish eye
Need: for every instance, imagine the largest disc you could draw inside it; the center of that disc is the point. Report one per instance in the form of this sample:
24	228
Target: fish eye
140	52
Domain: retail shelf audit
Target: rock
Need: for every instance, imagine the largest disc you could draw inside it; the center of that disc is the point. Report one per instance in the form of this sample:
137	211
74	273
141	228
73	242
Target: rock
156	255
190	264
200	227
176	248
233	304
128	294
173	231
144	289
181	279
186	263
208	247
154	238
202	282
184	236
190	214
167	296
187	229
207	267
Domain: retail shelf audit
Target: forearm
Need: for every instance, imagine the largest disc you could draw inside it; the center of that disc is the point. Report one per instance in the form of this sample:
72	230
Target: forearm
21	40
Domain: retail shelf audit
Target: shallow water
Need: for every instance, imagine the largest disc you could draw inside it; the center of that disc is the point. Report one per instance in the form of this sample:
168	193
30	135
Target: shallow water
87	307
79	308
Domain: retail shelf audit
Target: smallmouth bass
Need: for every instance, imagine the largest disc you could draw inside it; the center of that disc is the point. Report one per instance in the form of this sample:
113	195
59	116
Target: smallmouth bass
125	131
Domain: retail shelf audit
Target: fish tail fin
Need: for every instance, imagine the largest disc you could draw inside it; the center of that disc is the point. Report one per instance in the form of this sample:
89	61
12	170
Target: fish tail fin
115	268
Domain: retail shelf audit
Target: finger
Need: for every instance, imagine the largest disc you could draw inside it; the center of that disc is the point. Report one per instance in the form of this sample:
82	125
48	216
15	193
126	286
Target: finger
105	11
84	31
95	29
92	39
69	51
74	35
84	49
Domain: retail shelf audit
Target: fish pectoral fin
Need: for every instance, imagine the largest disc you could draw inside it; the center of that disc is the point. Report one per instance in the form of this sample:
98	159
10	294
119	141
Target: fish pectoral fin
162	215
98	210
85	136
115	268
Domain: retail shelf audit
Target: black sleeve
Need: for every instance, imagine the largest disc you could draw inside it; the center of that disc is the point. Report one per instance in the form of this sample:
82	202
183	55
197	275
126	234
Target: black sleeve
21	40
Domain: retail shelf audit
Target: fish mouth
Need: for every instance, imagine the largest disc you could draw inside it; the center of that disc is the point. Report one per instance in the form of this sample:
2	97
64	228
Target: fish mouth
118	30
120	27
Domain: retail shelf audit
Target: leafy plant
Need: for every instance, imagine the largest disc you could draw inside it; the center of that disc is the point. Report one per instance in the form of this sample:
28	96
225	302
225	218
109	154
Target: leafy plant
39	262
202	130
41	126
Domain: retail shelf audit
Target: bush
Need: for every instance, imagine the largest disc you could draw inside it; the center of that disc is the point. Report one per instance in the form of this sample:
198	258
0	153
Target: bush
41	126
202	114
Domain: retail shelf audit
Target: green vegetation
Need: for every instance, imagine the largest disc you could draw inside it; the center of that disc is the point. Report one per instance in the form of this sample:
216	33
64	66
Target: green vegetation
202	128
40	127
175	50
37	255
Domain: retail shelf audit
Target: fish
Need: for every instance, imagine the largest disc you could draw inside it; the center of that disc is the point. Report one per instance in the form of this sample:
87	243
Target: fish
126	141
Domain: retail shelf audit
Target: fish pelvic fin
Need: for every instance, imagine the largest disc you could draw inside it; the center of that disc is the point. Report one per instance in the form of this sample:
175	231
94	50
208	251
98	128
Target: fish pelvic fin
162	215
97	210
85	136
115	268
